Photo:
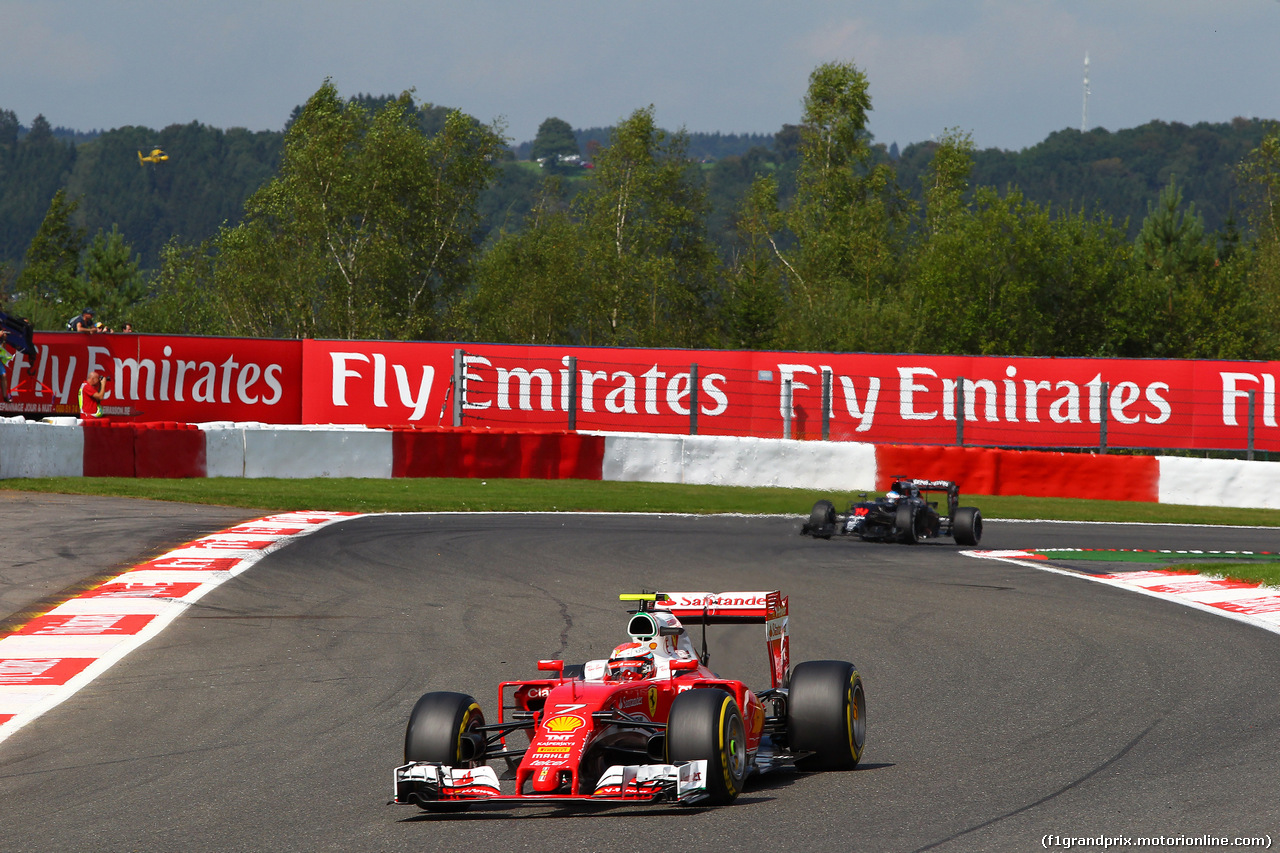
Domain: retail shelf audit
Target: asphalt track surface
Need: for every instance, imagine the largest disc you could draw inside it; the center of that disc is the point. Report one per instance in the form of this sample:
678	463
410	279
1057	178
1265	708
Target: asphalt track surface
1005	703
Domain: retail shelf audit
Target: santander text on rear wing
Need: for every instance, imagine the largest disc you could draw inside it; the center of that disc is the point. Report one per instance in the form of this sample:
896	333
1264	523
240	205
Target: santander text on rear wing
767	608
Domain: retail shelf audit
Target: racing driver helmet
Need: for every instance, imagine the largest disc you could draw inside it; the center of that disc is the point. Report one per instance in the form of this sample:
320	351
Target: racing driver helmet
631	662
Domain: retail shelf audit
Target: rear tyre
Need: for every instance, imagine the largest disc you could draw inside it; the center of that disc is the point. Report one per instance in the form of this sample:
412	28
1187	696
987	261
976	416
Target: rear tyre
442	730
827	715
706	724
904	523
966	527
822	520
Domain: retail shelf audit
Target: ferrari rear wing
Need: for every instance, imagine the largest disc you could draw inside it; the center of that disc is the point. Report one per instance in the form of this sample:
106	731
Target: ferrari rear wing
768	608
723	608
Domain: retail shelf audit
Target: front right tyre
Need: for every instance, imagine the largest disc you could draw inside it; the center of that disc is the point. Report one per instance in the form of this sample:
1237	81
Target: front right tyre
822	520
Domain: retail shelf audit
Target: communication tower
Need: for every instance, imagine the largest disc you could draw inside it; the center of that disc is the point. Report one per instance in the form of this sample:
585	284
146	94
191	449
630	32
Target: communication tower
1084	113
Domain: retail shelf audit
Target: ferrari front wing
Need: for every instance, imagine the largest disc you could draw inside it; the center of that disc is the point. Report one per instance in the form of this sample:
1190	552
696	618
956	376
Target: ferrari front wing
422	783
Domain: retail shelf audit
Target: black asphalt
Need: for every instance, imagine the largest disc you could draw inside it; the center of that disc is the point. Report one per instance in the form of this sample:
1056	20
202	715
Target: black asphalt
55	544
1005	703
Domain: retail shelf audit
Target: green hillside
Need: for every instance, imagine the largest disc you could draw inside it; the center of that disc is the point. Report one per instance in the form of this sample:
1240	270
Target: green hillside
382	217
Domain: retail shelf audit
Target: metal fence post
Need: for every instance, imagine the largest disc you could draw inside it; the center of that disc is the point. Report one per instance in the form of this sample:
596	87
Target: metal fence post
459	385
1103	416
573	393
1249	455
786	409
693	399
960	411
826	405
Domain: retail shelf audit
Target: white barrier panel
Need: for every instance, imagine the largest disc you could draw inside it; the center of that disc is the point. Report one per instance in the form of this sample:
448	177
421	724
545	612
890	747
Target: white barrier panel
1219	482
642	458
223	449
735	461
33	449
317	452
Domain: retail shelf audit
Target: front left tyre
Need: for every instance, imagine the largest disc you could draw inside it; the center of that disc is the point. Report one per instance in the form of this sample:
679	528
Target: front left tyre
706	724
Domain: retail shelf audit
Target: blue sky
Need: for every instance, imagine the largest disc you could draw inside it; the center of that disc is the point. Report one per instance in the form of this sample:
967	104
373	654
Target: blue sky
1009	72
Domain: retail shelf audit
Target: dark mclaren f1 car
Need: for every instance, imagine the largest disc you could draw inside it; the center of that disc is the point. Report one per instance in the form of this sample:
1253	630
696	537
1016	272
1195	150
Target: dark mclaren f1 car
652	724
904	514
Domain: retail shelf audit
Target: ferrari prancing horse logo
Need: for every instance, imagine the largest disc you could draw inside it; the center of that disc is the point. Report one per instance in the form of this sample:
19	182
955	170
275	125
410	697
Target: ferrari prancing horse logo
653	701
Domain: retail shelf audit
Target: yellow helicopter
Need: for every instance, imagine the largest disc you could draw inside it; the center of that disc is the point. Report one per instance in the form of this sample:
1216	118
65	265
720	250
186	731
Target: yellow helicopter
155	156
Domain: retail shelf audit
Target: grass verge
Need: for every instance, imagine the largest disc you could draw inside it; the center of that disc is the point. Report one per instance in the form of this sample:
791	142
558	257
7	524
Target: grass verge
472	495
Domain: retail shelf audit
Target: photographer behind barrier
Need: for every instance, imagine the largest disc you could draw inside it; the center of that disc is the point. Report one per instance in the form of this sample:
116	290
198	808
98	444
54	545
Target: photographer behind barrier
5	358
91	394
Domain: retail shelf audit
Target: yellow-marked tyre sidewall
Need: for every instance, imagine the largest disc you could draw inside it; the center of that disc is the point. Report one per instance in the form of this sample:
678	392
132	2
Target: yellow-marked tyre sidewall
856	717
732	734
470	717
436	726
826	715
706	725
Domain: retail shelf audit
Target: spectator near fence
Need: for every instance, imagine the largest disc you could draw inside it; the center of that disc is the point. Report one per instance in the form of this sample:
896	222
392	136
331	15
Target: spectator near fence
91	394
82	322
5	357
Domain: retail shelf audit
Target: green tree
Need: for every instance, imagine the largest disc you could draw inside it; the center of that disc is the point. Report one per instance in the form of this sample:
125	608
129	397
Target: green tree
8	129
652	269
1172	262
112	278
1172	241
555	139
529	287
1259	175
185	298
1005	277
845	218
755	297
947	179
368	230
31	173
47	288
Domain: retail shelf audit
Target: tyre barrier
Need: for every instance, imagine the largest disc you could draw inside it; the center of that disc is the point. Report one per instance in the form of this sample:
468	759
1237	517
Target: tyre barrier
63	447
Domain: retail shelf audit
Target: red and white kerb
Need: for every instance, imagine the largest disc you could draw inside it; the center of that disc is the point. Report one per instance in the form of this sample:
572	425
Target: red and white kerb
51	657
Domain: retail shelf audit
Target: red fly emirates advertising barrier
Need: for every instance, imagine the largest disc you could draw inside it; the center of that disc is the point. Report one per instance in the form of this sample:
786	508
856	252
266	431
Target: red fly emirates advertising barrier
899	399
162	378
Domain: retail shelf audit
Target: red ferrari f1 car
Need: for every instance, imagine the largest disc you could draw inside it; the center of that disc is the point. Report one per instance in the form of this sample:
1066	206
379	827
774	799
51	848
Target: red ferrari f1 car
652	724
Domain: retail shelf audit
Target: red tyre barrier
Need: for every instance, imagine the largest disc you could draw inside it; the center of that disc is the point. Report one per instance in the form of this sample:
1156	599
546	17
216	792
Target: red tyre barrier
168	449
108	450
544	456
163	449
1024	472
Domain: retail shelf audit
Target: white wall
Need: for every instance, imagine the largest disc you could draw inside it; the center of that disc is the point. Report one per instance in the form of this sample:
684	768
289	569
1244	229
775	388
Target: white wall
316	452
736	461
1219	482
35	449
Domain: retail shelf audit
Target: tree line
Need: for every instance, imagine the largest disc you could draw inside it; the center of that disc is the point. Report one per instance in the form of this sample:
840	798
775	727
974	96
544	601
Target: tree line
389	219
